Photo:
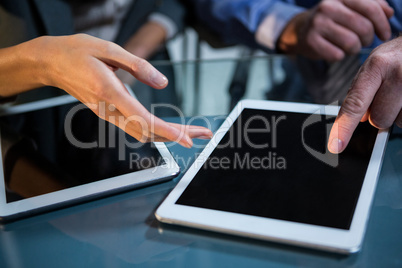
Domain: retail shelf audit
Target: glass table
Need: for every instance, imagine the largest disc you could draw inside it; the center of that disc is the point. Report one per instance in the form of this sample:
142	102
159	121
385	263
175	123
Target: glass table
121	230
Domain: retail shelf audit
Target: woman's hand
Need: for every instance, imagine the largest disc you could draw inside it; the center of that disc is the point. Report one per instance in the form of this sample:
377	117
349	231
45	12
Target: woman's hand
84	67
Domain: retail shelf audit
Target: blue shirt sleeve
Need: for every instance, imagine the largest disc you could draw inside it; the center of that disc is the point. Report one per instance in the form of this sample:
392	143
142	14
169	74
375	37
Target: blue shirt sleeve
236	21
274	22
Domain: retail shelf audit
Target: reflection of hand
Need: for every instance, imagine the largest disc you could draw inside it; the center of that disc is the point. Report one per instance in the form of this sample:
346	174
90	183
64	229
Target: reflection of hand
375	95
84	67
336	27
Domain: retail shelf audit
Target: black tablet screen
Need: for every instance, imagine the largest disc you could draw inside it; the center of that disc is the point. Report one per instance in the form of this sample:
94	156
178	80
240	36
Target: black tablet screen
55	148
274	164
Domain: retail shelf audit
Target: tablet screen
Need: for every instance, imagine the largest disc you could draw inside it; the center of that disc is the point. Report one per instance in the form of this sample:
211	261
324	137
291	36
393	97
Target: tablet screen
262	167
60	147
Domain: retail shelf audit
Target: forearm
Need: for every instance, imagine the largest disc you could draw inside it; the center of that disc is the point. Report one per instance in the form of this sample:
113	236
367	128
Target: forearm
20	68
147	40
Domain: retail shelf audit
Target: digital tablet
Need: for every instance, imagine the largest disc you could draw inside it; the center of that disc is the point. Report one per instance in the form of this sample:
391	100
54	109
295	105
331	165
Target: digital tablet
267	174
57	152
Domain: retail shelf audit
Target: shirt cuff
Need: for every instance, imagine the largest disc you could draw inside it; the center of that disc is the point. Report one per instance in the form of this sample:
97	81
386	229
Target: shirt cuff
165	22
273	24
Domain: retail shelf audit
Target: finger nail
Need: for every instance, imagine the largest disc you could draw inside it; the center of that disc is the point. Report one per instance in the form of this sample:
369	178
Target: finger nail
203	137
210	135
158	79
336	146
188	143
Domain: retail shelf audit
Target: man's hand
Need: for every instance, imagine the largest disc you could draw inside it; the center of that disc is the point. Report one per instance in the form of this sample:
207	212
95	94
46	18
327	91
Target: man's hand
84	67
375	95
335	28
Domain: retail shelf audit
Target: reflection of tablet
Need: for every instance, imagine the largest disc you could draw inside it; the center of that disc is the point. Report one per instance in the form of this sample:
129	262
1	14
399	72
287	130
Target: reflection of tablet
267	174
57	152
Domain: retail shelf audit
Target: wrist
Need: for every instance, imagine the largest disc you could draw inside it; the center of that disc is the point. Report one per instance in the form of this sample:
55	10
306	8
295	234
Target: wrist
21	69
289	41
35	57
276	18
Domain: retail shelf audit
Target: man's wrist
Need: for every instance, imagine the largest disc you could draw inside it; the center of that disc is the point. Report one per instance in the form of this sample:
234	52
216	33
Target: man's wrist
288	40
274	23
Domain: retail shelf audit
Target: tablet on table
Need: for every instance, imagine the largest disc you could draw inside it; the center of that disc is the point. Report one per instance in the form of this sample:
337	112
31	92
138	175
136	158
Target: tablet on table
267	174
57	152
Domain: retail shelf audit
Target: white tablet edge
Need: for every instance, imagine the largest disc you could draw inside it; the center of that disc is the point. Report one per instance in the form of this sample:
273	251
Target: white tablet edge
325	238
13	210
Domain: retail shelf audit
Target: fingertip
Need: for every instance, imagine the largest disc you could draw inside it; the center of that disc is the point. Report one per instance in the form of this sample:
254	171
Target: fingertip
187	142
158	80
210	134
335	56
335	143
388	10
182	138
341	132
336	146
386	36
204	134
198	132
203	137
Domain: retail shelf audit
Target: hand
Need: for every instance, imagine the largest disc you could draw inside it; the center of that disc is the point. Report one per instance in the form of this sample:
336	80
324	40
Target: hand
84	67
375	95
335	28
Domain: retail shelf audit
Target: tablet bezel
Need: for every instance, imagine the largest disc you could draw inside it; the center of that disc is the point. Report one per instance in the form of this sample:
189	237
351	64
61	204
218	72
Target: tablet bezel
313	236
85	192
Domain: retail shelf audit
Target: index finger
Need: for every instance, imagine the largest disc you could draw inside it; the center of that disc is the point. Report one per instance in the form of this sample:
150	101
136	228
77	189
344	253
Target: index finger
148	124
377	12
115	55
356	103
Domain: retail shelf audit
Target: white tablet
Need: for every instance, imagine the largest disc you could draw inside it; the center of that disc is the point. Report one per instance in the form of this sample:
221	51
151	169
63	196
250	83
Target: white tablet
267	174
57	152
